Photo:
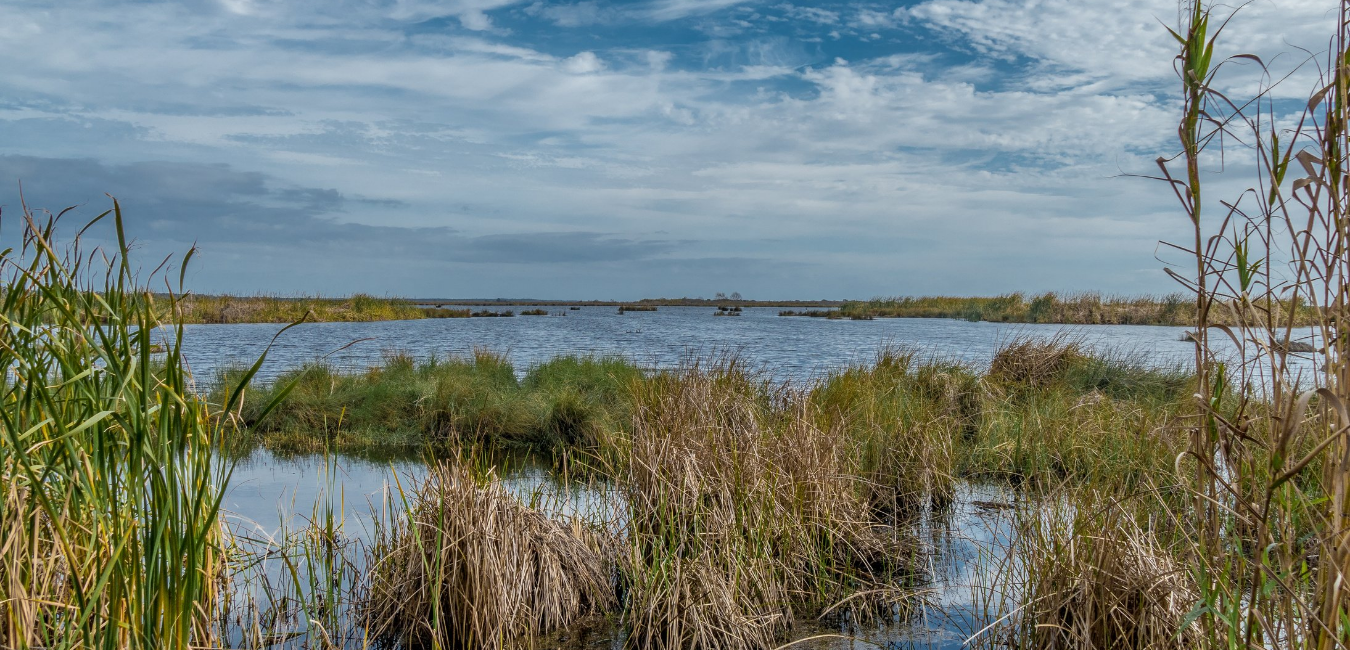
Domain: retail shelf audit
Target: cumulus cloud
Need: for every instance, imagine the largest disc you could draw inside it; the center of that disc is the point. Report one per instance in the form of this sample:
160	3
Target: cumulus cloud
583	62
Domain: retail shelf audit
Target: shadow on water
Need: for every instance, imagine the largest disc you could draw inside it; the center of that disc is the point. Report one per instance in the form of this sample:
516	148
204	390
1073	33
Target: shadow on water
303	524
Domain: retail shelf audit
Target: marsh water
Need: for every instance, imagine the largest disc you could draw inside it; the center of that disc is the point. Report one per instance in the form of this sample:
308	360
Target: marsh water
267	492
961	548
785	347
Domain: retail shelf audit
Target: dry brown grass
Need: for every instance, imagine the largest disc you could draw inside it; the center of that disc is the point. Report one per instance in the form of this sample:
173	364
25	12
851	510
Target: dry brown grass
476	568
1034	362
34	572
744	514
1091	577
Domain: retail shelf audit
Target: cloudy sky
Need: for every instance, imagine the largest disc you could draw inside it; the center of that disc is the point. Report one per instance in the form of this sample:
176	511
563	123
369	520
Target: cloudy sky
602	149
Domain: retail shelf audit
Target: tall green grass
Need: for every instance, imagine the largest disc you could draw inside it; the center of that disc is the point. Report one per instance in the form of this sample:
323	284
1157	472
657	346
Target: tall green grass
443	403
110	488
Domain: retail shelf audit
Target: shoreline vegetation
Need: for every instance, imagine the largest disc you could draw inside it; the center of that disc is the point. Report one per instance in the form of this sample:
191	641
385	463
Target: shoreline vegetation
1145	508
1064	409
1049	308
1052	308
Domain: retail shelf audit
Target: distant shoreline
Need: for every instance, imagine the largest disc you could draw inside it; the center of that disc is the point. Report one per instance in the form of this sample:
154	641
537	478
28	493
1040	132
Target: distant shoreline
1050	308
645	302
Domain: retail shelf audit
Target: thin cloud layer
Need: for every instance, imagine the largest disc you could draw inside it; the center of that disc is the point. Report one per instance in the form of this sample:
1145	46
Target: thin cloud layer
619	150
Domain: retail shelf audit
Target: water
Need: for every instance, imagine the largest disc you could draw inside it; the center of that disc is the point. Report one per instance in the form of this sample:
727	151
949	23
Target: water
270	494
787	347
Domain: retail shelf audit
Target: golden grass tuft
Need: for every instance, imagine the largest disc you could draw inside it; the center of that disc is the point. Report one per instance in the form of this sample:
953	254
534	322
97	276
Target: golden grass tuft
1034	362
1095	578
744	513
476	568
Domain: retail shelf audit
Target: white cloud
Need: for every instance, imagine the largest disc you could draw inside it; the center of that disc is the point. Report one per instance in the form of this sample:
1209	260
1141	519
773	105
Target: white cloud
658	60
812	14
868	19
667	10
475	20
583	62
1115	43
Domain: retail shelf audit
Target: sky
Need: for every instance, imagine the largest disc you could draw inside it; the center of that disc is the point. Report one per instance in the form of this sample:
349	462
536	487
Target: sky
592	149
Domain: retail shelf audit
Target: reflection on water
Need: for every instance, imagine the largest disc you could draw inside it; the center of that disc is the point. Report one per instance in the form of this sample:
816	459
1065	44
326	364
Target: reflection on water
788	348
268	492
270	495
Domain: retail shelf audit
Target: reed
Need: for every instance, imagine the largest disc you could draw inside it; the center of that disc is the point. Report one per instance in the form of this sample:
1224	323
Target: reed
109	486
1087	571
1267	465
1244	542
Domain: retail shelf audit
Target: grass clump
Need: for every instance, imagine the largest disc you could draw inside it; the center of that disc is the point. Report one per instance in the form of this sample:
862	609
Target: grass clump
443	403
744	514
1051	411
1090	574
904	424
470	566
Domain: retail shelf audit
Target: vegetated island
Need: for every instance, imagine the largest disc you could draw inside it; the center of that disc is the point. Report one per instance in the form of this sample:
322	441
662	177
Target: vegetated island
1067	309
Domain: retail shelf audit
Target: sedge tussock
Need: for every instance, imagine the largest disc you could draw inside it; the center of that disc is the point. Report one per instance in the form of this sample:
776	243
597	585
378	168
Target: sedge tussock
743	514
1095	578
473	567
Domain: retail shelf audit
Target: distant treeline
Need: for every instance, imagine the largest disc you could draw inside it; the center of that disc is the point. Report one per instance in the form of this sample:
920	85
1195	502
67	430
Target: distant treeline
1070	309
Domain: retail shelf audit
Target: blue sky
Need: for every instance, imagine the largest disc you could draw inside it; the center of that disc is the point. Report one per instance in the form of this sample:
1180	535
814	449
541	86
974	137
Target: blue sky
595	149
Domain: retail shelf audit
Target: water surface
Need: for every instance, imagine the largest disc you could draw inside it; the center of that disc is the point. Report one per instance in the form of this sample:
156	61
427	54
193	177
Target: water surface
787	347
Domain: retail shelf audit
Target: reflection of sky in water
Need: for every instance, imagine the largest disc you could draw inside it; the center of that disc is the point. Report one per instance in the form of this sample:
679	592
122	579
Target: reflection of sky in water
959	549
789	348
266	490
